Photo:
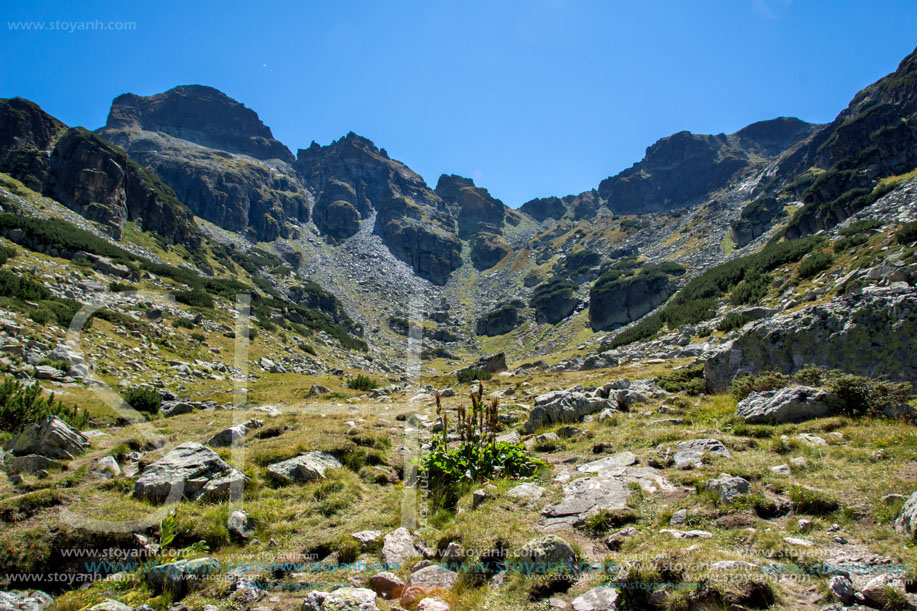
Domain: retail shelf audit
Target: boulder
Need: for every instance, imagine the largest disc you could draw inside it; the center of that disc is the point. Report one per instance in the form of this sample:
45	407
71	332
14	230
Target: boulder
342	599
303	468
191	471
240	525
563	407
109	605
728	488
175	577
108	467
875	590
691	452
366	538
32	464
547	554
906	523
386	585
433	604
597	599
234	434
433	576
785	405
52	437
397	547
842	589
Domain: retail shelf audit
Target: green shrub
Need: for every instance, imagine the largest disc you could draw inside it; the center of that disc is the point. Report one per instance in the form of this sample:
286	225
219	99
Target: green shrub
195	298
743	386
362	382
183	323
859	227
845	244
907	233
6	253
198	337
117	287
689	379
143	399
861	396
814	264
470	374
21	404
733	321
59	234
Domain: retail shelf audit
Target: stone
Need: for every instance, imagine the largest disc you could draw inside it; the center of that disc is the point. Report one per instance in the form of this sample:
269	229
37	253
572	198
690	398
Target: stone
342	599
190	470
875	589
526	492
691	453
906	522
386	585
597	599
728	488
687	534
792	404
175	577
546	554
563	407
453	554
433	604
317	390
107	466
240	525
811	440
234	434
622	459
52	437
109	605
842	589
781	470
397	547
303	468
679	517
433	576
366	538
799	542
613	542
32	464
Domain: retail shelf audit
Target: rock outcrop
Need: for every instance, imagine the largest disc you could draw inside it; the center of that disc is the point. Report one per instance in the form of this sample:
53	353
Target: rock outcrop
52	438
304	468
191	471
871	333
785	405
476	210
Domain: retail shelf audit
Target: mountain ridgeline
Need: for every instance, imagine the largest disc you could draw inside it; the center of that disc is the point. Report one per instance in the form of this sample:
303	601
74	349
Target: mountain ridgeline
178	161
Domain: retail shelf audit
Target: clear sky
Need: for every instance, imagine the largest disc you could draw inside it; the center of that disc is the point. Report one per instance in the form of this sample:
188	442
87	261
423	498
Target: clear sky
529	97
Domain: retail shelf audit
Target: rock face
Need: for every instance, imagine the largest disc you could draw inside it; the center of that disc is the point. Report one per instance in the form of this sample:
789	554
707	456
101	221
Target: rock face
191	471
616	302
87	174
870	334
554	300
684	168
488	249
497	322
785	405
477	210
202	115
52	437
906	524
304	468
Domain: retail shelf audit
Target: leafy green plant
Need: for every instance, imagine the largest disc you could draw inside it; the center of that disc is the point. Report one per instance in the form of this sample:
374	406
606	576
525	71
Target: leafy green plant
21	405
168	530
362	382
477	456
861	396
733	321
143	399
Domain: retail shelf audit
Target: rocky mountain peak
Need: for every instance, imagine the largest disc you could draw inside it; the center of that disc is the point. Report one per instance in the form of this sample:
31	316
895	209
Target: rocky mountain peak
477	209
202	115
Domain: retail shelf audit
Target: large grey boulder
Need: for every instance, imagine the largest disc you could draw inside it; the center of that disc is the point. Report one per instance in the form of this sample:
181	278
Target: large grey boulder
728	488
691	452
234	434
602	598
906	524
547	554
52	437
398	546
564	407
190	470
303	468
785	405
433	576
342	599
870	333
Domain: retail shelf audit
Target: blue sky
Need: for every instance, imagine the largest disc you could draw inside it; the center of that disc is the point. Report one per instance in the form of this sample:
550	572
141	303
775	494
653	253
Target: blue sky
531	97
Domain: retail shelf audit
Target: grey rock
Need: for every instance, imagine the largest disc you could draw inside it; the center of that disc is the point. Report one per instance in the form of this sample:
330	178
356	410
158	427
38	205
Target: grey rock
563	407
785	405
433	576
526	492
367	537
547	553
398	546
906	523
874	590
191	471
842	589
107	466
728	488
234	434
240	525
32	464
597	599
386	585
110	605
175	577
691	453
303	468
52	437
342	599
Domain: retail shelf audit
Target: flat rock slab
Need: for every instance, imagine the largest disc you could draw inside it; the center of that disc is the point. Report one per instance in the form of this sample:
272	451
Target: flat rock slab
433	576
606	489
785	405
303	468
597	599
622	459
526	492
